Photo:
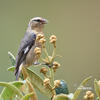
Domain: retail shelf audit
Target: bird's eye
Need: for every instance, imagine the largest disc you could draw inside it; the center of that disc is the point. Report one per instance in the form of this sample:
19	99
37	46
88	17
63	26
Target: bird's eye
38	20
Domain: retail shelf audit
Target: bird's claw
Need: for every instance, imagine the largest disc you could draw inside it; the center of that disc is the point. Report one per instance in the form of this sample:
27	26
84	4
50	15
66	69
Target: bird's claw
38	64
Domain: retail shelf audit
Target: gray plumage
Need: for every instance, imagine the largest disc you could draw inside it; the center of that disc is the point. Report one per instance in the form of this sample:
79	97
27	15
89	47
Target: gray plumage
26	56
26	44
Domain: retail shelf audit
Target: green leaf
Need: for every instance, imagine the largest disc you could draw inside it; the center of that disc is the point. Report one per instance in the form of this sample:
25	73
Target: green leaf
26	97
10	90
61	97
37	82
12	58
97	98
97	88
80	88
70	95
12	69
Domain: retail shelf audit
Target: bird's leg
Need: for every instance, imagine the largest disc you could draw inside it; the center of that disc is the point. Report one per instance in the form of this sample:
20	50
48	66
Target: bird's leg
38	63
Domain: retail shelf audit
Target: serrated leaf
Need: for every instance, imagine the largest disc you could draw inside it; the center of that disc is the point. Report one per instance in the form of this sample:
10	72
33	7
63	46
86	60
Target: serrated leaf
12	58
37	82
61	97
79	89
27	96
97	88
10	90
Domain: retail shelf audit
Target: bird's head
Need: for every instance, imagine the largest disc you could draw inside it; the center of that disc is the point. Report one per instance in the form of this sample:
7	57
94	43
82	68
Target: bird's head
37	23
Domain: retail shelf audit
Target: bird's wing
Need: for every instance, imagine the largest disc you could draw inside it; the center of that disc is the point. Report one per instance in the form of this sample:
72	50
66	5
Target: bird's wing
27	42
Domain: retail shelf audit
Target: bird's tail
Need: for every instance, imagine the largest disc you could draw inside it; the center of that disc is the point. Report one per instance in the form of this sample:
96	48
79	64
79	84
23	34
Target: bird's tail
18	71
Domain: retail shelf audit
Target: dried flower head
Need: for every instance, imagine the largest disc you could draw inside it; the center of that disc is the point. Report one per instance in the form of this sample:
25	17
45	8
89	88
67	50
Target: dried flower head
39	36
57	83
56	65
53	39
43	70
46	82
42	40
37	50
89	95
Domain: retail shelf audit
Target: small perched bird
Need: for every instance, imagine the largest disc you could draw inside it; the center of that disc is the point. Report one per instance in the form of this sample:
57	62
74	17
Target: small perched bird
26	56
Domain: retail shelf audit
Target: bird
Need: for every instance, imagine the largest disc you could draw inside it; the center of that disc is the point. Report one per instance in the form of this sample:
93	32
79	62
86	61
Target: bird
26	56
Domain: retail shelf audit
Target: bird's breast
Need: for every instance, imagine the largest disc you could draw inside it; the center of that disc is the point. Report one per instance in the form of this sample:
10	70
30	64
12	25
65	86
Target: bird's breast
31	56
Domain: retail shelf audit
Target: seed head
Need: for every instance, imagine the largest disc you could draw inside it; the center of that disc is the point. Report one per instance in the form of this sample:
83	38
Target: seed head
89	95
46	82
43	70
42	40
57	83
39	36
53	39
37	51
56	65
85	97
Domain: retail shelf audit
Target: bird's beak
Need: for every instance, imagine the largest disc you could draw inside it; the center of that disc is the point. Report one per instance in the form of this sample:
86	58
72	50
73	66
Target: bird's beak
44	21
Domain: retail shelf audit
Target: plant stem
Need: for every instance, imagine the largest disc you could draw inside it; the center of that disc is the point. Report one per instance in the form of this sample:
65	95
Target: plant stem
45	50
52	76
53	54
31	90
79	89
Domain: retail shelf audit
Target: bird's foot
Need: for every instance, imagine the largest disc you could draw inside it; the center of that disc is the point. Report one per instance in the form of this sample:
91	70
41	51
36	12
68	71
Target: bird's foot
38	63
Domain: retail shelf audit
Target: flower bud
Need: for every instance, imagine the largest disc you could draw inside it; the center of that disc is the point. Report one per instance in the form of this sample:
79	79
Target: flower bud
56	65
53	39
85	97
46	82
37	50
57	83
39	36
42	40
89	95
43	70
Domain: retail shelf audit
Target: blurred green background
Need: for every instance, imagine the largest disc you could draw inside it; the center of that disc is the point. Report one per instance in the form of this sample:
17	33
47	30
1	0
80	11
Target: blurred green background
76	23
